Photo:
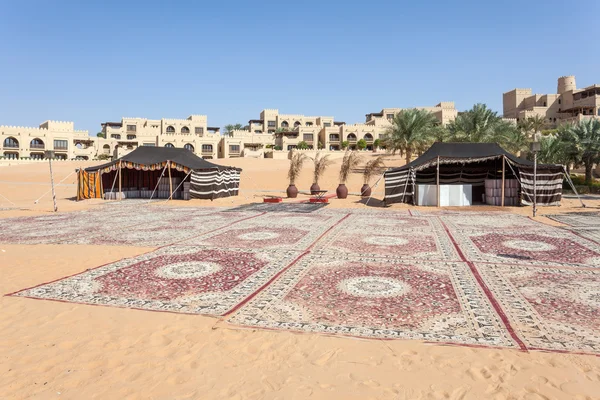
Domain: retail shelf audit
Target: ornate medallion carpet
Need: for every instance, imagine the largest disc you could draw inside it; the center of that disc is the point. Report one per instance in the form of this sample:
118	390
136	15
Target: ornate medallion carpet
493	279
578	219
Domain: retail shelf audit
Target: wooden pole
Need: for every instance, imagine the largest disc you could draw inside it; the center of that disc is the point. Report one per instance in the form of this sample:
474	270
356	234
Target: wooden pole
170	181
437	180
503	173
120	177
52	184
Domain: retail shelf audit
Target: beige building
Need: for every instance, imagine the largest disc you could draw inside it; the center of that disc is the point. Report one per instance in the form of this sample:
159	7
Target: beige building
192	133
285	131
567	105
20	142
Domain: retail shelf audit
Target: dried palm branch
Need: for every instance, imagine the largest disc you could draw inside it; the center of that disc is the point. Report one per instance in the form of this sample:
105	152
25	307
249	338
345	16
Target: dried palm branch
321	163
296	163
350	161
372	168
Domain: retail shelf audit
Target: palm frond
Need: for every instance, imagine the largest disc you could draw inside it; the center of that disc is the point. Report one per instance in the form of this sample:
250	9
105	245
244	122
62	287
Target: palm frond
321	163
350	161
296	163
372	168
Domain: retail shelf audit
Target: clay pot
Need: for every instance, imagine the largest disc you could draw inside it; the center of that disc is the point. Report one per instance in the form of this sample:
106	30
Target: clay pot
314	188
341	191
365	190
292	191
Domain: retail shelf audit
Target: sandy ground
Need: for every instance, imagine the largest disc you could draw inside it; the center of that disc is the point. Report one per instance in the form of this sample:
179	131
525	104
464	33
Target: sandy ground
54	350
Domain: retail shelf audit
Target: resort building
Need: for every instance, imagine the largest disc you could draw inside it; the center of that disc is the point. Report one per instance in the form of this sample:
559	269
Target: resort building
569	104
20	142
192	133
286	131
445	112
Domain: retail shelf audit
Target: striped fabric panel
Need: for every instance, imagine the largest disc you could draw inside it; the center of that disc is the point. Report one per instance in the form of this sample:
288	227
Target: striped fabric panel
214	184
548	188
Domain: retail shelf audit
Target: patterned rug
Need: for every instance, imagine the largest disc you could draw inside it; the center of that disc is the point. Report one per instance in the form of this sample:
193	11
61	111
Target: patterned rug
579	219
493	279
177	279
378	298
552	308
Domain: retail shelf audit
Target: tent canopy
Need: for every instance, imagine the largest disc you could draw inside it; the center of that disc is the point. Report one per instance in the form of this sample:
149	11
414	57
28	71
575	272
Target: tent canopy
462	152
150	155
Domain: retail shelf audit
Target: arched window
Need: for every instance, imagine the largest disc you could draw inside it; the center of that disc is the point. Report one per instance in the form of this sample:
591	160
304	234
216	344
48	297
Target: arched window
11	142
185	129
297	123
284	124
36	144
170	145
369	137
352	137
170	129
189	147
79	145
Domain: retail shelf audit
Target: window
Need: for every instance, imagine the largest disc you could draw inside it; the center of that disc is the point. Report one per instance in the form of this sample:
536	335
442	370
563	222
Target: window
36	144
106	149
115	136
558	101
598	112
334	138
131	128
11	142
131	137
169	145
170	129
291	146
271	124
207	148
545	104
61	144
369	137
352	137
258	131
37	156
284	124
234	148
308	137
327	124
389	116
271	131
11	156
185	129
297	123
309	124
199	130
150	144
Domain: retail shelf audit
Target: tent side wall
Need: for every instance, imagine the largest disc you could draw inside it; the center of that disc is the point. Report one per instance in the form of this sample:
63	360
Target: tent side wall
399	186
549	185
214	184
89	185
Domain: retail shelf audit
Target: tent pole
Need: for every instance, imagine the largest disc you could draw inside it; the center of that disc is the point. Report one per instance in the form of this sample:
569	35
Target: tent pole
170	181
503	179
120	177
437	180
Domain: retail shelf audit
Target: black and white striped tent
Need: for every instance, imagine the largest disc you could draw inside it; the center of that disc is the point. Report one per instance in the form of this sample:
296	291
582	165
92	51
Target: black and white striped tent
473	163
215	183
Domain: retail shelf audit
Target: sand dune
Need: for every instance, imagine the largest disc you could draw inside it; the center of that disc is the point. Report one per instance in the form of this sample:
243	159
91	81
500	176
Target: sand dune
63	350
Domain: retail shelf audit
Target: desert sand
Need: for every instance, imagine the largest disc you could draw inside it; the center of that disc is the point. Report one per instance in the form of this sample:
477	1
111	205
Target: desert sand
54	350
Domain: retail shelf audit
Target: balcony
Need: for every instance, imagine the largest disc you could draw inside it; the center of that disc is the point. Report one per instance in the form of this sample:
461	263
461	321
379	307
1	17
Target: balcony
61	148
37	146
334	138
11	145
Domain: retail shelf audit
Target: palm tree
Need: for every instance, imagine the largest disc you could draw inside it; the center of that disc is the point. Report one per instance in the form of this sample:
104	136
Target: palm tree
482	125
412	131
582	142
532	125
232	127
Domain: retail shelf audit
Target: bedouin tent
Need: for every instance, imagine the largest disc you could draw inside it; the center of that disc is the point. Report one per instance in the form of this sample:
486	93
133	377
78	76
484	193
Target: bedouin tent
472	164
144	168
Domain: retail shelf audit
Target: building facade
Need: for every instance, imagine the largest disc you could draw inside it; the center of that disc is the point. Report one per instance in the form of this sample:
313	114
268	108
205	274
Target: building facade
19	142
569	104
192	133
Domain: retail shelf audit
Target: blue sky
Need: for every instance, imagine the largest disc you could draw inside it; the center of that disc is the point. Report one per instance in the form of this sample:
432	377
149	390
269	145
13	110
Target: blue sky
95	61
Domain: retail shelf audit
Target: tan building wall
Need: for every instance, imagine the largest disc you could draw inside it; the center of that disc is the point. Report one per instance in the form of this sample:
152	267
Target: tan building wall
19	142
192	133
567	105
445	112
